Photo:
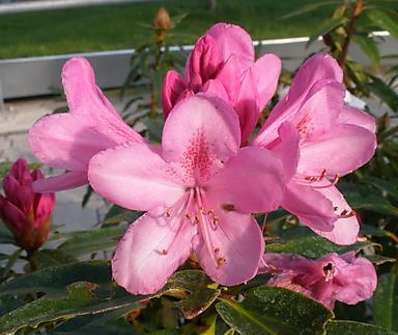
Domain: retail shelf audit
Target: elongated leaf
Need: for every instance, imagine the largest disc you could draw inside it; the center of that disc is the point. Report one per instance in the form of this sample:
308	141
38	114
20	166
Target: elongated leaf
303	242
274	311
326	27
87	242
5	235
355	328
372	202
385	302
117	214
385	21
385	93
80	300
369	47
54	280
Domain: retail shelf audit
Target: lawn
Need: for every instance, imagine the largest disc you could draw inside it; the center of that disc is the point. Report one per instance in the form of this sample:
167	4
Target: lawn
119	26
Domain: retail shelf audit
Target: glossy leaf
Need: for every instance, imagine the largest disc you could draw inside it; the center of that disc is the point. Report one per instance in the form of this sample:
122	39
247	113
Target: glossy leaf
90	241
274	311
379	88
385	302
355	328
195	289
80	300
303	242
310	8
53	280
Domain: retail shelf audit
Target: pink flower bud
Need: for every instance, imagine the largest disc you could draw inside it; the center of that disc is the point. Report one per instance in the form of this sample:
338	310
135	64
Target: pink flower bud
26	213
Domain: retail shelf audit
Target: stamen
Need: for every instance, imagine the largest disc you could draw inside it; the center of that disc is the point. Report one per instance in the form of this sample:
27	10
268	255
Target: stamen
186	201
328	271
203	224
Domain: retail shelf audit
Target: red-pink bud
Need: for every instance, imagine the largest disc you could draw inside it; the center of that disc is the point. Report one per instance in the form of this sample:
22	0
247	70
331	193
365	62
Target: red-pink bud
26	213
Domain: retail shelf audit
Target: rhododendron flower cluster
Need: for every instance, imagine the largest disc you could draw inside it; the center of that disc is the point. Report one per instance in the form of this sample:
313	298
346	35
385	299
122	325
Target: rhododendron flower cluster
212	171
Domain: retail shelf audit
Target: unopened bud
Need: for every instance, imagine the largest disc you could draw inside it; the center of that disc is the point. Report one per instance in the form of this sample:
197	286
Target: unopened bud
162	19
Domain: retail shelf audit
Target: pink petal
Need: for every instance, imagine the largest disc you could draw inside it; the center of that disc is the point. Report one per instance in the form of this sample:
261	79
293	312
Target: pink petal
310	206
135	177
62	182
252	181
12	216
286	148
149	253
246	105
173	87
66	141
20	194
233	40
203	62
215	88
317	69
309	119
86	99
357	279
266	71
339	152
357	117
199	135
230	75
230	254
345	231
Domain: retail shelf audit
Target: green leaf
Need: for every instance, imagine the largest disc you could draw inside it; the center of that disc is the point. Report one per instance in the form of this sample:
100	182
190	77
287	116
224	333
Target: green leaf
372	202
385	21
90	241
54	280
274	311
303	242
310	8
80	300
369	47
48	258
326	27
355	328
384	92
117	214
196	290
385	302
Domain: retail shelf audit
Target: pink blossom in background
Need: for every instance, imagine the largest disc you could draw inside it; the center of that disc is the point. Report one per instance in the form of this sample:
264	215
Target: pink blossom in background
198	190
26	213
69	140
332	278
223	64
335	140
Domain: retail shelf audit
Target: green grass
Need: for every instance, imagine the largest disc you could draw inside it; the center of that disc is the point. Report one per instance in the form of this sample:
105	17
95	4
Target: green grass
118	26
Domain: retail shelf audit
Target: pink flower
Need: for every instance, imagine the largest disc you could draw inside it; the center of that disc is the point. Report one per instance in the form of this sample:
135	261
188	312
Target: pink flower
68	141
334	277
223	64
334	140
198	190
26	213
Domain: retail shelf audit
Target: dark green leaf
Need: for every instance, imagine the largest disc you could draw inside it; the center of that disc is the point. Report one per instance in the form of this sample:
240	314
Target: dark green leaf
80	300
54	280
6	236
385	21
303	242
379	259
274	311
87	196
49	258
326	27
355	328
372	202
386	94
369	47
385	302
90	241
117	214
197	291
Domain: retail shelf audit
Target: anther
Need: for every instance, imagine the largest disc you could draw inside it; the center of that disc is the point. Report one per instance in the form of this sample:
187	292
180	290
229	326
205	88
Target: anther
220	261
228	207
